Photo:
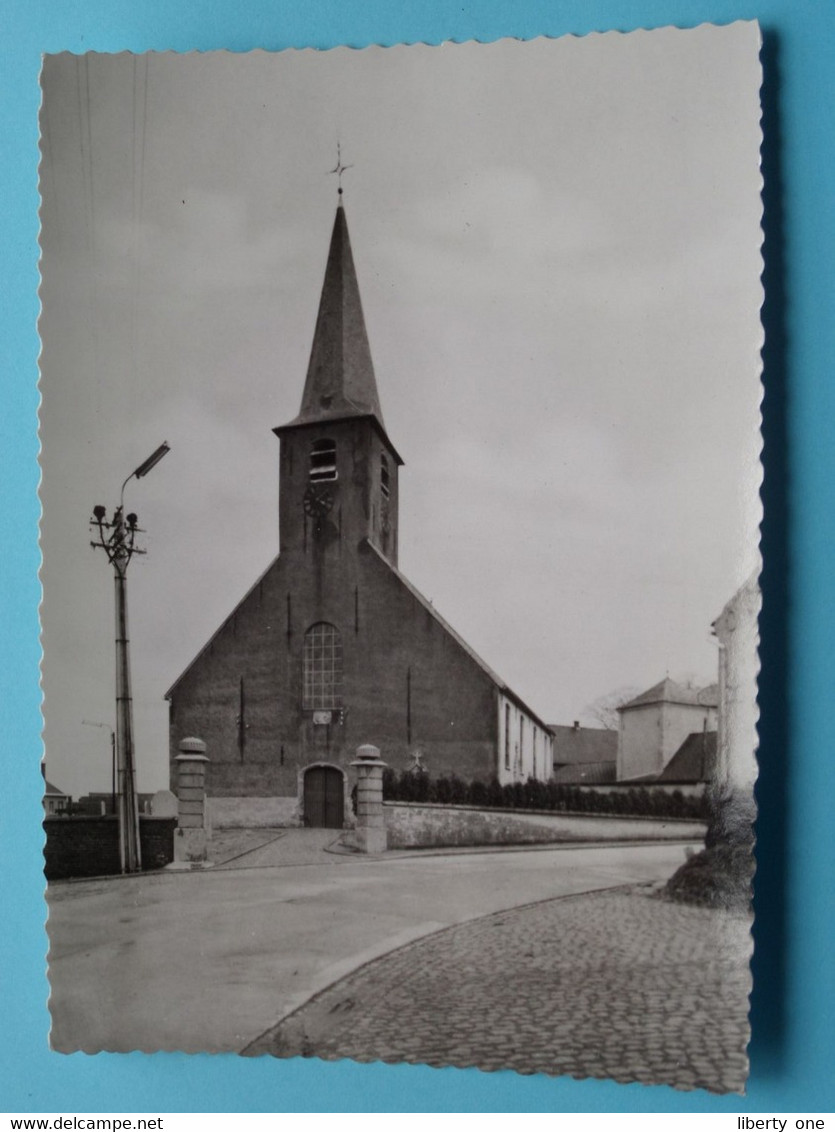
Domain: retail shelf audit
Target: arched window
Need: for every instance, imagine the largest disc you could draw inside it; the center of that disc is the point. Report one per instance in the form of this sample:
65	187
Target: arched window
323	460
385	486
322	689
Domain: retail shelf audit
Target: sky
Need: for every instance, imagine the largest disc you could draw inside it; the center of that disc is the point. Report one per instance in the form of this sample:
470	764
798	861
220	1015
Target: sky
558	250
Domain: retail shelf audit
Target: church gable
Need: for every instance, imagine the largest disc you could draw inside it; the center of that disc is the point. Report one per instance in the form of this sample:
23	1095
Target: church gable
228	630
228	694
449	640
442	692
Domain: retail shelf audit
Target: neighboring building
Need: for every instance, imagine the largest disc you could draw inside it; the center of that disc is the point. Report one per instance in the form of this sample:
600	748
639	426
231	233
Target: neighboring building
584	754
100	802
694	761
654	725
736	630
55	801
333	647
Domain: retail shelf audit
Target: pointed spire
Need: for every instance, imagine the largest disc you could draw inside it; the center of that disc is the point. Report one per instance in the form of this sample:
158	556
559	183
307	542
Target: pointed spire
340	377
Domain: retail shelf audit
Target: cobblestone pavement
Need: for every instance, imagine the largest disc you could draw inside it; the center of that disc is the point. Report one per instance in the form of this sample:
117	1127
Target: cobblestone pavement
615	984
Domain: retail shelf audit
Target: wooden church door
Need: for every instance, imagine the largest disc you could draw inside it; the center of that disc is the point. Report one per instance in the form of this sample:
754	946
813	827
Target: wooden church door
323	798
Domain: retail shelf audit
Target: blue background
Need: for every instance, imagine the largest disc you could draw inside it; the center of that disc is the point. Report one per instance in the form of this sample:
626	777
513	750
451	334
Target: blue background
794	1035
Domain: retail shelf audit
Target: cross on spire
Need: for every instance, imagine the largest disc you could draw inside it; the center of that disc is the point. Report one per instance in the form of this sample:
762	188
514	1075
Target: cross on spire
339	168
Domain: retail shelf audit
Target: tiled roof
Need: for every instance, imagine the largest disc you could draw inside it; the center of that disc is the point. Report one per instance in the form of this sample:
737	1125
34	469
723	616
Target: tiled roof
669	692
587	773
50	789
583	744
694	761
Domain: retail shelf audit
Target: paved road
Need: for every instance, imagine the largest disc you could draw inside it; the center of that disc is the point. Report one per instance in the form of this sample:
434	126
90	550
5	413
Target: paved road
269	848
615	984
210	960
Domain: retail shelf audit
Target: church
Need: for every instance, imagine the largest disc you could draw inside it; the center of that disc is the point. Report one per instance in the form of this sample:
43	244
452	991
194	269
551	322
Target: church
332	647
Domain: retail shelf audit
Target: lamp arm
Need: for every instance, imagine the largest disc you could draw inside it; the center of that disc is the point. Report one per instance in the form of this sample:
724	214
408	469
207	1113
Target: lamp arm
122	492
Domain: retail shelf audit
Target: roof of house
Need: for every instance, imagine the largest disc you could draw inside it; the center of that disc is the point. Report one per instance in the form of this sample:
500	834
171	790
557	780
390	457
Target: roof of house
50	789
667	691
583	744
694	761
587	773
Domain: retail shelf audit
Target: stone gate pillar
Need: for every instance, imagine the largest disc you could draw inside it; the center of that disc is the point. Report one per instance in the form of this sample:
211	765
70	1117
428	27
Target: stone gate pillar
370	834
190	837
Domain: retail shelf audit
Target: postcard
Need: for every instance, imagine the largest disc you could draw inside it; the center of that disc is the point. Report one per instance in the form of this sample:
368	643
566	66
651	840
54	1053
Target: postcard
401	460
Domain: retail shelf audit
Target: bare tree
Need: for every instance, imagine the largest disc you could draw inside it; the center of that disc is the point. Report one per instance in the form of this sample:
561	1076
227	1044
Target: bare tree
605	708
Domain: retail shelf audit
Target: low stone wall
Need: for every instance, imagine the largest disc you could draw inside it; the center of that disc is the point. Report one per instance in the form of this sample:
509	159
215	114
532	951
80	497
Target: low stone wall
252	813
89	846
413	825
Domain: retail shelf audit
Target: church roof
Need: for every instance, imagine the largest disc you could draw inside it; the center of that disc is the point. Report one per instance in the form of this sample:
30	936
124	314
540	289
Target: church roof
167	695
669	692
367	545
340	376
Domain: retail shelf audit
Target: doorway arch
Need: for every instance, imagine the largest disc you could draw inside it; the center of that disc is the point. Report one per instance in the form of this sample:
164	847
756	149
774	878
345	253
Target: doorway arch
323	796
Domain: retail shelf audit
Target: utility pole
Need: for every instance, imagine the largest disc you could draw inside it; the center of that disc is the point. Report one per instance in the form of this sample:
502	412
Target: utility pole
117	537
95	723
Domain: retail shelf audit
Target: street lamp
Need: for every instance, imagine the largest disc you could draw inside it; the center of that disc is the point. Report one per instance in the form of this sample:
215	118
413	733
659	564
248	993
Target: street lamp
117	537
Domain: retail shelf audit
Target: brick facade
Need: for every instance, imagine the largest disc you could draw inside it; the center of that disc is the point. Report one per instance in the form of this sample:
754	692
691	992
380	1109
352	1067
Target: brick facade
408	684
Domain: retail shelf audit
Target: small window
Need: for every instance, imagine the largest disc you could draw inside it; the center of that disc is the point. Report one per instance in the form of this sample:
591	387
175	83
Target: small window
323	460
385	486
507	736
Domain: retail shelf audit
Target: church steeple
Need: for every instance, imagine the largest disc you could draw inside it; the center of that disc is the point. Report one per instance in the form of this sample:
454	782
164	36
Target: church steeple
340	376
338	469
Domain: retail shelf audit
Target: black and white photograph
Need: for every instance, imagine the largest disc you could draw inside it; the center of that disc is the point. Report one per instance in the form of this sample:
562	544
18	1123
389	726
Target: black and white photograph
400	449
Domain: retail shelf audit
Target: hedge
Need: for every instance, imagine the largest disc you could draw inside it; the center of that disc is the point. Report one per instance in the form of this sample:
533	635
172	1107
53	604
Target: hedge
721	875
418	786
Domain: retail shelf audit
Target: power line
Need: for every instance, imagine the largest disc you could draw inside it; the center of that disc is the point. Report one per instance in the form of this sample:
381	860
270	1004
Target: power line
85	143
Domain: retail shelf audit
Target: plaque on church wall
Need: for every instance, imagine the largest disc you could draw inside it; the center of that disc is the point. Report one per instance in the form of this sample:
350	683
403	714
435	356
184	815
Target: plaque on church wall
455	355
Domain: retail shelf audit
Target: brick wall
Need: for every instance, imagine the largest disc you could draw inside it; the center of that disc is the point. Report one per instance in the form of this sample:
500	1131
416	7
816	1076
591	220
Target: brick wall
156	837
89	846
